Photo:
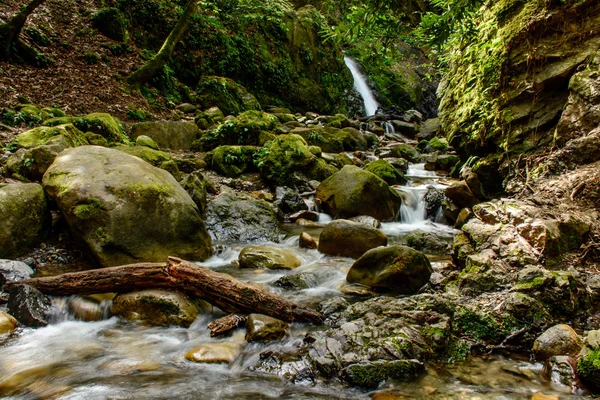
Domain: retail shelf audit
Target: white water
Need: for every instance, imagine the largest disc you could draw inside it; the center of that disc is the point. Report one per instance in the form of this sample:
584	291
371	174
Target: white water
360	84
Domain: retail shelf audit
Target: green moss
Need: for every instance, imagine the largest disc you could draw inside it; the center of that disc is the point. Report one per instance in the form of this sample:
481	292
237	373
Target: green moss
407	152
536	283
111	23
233	161
44	134
151	156
163	306
588	367
245	129
88	210
100	123
387	172
479	326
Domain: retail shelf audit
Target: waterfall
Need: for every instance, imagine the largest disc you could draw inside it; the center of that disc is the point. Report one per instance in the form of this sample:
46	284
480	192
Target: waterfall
413	210
360	84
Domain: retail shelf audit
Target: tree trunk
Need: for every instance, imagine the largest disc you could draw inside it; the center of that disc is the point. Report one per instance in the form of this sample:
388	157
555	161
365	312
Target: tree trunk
156	63
10	31
221	290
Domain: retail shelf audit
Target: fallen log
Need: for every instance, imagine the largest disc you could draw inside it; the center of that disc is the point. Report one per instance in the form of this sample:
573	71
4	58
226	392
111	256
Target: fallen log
221	290
226	324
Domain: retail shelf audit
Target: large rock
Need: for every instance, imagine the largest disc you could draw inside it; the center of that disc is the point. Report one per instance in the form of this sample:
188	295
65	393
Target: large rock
559	340
387	172
124	209
28	305
396	268
262	328
349	239
196	186
461	195
267	257
156	307
14	271
25	218
233	161
288	200
244	219
226	94
102	124
174	135
353	191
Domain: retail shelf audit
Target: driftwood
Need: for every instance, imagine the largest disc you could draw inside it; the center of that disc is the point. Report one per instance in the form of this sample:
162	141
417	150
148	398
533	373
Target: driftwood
221	290
226	324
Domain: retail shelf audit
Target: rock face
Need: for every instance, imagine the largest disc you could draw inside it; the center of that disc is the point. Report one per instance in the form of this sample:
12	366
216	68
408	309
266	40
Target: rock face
174	135
25	218
262	328
396	268
124	209
28	305
349	239
352	192
267	257
156	307
559	340
245	219
7	323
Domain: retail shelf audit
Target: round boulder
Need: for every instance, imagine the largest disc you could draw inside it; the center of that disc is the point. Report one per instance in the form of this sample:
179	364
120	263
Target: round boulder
156	307
124	209
349	239
353	191
559	340
25	218
267	257
399	269
262	328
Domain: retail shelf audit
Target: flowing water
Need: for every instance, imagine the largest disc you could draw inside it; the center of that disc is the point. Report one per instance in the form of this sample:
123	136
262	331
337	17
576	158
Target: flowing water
360	84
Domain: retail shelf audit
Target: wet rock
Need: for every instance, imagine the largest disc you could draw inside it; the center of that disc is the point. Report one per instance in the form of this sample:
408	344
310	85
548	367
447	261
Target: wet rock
124	209
156	307
400	164
433	199
366	220
262	328
214	353
405	128
86	308
395	268
242	218
428	242
303	280
288	200
25	218
305	214
357	290
353	191
559	340
28	305
307	242
174	135
406	152
267	257
307	223
460	194
472	180
560	369
14	271
370	374
349	239
8	323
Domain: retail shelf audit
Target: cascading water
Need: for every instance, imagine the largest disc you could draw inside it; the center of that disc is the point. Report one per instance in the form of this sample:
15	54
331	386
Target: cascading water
360	84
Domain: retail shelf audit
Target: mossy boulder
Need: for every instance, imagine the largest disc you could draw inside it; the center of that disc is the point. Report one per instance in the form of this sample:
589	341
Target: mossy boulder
66	134
124	209
349	239
174	135
407	152
233	161
196	186
398	269
151	156
146	141
156	307
331	139
102	124
353	191
245	129
370	374
242	218
267	257
226	94
559	340
279	159
387	172
111	23
25	218
31	164
262	328
588	369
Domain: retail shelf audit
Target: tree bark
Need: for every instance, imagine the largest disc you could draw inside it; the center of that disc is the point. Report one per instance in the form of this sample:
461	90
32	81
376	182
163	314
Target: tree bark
226	324
156	63
10	31
221	290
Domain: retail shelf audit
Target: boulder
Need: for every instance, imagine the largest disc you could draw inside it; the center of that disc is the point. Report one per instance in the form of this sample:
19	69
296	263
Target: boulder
307	242
241	218
428	242
288	200
267	257
195	184
14	271
8	324
102	124
124	209
147	141
25	218
370	374
174	135
399	269
433	199
214	353
387	172
233	161
588	369
262	328
559	340
349	239
406	152
28	305
244	129
226	94
156	307
461	195
353	191
429	129
151	156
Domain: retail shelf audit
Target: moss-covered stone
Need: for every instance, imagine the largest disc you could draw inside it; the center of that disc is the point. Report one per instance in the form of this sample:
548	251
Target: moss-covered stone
588	369
171	167
267	257
151	156
262	328
333	140
174	135
226	94
245	129
25	218
407	152
111	23
41	135
146	141
370	374
101	123
233	161
387	172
